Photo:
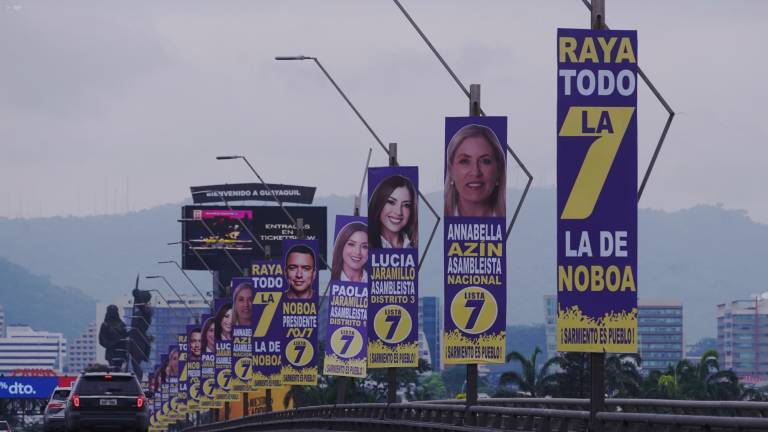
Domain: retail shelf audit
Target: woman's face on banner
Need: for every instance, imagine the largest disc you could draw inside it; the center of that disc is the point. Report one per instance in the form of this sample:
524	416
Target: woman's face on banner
355	253
173	362
474	170
244	305
210	336
226	322
397	210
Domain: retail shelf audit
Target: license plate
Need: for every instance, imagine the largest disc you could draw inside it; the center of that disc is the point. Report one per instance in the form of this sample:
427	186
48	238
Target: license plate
108	402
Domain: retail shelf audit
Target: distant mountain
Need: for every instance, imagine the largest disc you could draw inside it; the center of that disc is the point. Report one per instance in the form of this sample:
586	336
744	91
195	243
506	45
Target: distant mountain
35	301
703	256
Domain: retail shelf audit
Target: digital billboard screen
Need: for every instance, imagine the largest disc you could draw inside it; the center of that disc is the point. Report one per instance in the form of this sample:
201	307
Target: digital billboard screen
211	233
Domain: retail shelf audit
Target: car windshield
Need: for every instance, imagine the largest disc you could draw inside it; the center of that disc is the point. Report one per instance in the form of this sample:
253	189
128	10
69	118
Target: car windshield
112	385
60	395
4	426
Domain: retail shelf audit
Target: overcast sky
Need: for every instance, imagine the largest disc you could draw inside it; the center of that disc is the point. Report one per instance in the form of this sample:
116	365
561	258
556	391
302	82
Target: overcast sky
108	106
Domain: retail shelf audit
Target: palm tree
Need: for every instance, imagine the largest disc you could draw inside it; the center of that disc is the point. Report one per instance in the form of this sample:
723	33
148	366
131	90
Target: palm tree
622	375
700	381
537	383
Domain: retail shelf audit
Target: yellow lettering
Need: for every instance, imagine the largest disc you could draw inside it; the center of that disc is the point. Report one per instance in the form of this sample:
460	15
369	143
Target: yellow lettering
607	47
597	278
625	51
455	249
582	278
628	282
568	48
494	249
588	51
612	278
565	278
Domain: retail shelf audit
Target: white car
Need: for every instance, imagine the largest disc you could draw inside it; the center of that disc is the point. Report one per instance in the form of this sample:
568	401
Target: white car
53	418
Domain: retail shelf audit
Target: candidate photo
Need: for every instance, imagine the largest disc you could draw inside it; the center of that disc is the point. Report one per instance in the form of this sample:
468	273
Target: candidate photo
393	214
350	253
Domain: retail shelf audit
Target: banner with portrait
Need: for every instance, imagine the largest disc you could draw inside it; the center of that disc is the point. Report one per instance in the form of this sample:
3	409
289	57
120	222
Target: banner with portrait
242	316
194	347
183	394
223	339
597	191
208	362
299	303
172	371
264	290
393	236
346	347
474	240
164	389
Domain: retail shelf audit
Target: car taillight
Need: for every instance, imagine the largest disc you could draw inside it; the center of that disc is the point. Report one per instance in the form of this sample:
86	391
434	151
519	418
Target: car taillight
76	401
140	401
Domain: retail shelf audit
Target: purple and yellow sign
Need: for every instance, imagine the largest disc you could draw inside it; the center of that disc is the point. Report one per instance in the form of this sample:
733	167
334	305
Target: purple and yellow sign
474	233
242	318
299	305
208	362
393	235
183	394
194	347
346	348
597	191
223	338
263	291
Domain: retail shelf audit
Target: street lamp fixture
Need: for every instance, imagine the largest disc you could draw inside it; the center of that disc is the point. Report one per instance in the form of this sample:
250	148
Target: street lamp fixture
191	313
188	278
205	264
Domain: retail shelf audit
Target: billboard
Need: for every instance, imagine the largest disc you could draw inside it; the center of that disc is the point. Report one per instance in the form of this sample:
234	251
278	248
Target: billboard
474	234
269	224
299	305
393	235
346	347
22	387
252	192
597	191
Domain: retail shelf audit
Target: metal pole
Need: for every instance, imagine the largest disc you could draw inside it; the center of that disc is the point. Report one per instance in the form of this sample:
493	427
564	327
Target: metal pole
597	360
474	110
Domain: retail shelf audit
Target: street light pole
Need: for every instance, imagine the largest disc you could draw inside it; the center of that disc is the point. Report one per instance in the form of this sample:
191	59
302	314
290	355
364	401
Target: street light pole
205	264
192	314
209	303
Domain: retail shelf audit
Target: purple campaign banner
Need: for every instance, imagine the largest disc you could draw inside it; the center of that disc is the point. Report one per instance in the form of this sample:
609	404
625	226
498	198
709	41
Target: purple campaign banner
223	338
393	234
183	394
242	318
474	233
263	290
597	191
346	352
208	362
173	380
299	306
194	345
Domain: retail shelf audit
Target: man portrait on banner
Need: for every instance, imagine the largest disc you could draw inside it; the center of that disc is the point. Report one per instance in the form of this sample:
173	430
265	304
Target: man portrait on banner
300	272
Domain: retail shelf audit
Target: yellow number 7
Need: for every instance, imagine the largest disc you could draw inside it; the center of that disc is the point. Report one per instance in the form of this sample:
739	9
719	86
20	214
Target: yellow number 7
265	312
607	123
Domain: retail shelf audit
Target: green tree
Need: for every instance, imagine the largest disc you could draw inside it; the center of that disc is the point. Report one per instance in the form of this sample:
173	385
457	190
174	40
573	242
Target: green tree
535	382
622	375
703	380
573	379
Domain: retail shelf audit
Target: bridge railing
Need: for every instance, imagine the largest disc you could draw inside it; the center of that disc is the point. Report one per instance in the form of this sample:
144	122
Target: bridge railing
651	406
528	415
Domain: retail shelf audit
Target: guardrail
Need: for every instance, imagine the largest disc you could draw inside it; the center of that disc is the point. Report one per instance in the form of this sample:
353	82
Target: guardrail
405	417
649	406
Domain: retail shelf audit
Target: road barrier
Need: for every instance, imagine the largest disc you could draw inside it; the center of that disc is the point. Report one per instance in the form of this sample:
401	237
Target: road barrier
530	414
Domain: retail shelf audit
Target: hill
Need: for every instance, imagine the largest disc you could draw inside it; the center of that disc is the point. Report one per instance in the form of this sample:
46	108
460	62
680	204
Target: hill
35	301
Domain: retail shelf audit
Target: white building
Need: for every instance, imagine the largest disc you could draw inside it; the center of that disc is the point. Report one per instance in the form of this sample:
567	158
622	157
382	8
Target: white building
25	348
82	351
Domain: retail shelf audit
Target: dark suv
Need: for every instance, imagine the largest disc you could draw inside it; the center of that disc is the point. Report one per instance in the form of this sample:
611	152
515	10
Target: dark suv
107	400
